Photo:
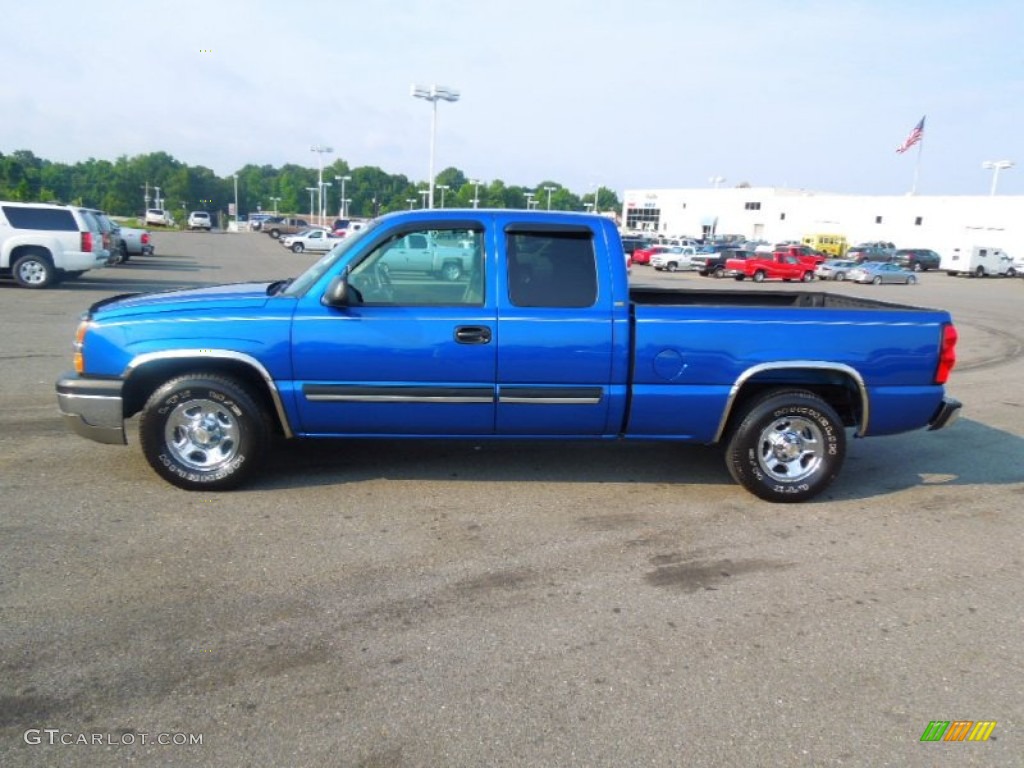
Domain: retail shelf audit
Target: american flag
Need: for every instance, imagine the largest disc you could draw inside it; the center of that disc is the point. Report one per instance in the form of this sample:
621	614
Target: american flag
915	136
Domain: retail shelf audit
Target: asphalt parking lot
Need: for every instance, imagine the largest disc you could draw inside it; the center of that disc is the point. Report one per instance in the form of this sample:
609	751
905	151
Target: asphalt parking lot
463	604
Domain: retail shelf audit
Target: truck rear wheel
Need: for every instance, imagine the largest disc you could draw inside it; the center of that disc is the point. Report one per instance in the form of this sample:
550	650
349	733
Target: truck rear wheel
451	271
204	432
787	446
759	276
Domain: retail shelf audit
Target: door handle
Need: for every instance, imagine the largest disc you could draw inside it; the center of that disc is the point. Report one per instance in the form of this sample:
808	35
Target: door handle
472	334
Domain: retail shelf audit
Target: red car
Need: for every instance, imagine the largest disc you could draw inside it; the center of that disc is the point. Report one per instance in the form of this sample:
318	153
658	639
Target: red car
771	266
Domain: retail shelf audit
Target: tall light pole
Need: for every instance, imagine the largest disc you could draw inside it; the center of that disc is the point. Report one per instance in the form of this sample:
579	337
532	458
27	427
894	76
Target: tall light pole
432	94
529	199
996	166
476	192
426	193
323	200
343	179
411	201
444	188
275	201
312	191
549	190
236	199
320	150
156	198
597	193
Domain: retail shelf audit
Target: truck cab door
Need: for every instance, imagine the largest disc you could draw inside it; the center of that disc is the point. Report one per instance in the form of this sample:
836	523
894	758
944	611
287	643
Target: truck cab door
406	354
557	335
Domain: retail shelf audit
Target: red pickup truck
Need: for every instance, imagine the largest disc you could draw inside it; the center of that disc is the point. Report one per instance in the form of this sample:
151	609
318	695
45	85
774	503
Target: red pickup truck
771	266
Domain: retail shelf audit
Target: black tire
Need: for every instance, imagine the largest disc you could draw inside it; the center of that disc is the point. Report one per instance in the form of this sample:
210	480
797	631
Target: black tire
298	248
204	432
911	279
718	273
980	271
759	276
787	446
839	276
451	271
34	270
275	233
672	266
808	276
877	280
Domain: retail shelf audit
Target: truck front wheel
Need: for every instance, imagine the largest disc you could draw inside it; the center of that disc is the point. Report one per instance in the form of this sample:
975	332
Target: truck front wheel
204	432
34	270
787	446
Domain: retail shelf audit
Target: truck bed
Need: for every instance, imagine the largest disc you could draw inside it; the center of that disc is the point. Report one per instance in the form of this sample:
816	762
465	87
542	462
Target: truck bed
755	298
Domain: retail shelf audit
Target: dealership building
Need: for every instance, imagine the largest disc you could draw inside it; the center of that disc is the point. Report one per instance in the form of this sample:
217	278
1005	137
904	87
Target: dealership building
776	214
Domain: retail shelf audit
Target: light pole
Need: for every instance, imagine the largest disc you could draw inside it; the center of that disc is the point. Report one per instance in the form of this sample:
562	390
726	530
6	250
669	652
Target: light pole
323	200
235	176
411	201
145	198
444	188
716	180
320	150
311	191
996	166
156	198
597	193
529	199
549	190
426	193
275	201
432	94
588	206
476	192
343	179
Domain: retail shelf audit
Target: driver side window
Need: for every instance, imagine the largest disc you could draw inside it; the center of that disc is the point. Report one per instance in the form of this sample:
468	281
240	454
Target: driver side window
428	267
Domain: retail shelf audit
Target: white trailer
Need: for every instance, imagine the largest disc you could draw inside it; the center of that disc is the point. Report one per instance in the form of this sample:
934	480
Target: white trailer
977	260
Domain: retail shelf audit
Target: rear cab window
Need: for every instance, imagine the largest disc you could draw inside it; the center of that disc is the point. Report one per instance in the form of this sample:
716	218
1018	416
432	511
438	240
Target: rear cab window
48	219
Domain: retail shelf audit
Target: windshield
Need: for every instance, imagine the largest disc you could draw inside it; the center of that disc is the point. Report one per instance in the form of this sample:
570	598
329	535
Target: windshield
303	282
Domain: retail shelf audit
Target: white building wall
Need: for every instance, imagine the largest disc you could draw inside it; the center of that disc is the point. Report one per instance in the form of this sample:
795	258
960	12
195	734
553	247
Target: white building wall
775	214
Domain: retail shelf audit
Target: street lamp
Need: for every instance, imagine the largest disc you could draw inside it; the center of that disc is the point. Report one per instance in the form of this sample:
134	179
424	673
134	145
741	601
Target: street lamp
588	206
597	195
432	94
343	179
427	193
275	201
443	188
323	200
312	191
529	199
411	201
320	150
236	200
996	166
549	190
476	191
156	199
716	180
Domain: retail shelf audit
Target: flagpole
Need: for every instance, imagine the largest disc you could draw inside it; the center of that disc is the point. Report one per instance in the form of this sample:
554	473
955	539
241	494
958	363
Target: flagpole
917	165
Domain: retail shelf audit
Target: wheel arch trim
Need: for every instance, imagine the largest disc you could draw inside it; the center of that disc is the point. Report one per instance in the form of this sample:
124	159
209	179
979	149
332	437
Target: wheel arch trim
816	365
141	361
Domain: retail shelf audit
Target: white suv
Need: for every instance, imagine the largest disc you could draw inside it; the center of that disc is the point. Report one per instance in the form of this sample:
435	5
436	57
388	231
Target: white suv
199	220
41	243
159	217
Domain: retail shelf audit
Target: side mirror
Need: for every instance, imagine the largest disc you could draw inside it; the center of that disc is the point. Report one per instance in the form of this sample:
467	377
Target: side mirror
338	293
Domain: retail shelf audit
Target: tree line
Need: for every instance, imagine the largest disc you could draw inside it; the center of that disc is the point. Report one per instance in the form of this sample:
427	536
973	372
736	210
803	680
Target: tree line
128	185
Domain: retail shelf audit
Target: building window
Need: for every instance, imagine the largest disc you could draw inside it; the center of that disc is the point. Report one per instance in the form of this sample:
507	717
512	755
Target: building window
752	206
878	219
643	218
917	221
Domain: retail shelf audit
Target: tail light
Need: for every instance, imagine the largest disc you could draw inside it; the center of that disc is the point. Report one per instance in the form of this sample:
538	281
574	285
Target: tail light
145	238
947	354
87	242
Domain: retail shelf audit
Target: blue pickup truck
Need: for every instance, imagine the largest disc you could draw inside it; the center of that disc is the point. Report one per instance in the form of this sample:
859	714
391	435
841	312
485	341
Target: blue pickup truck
540	337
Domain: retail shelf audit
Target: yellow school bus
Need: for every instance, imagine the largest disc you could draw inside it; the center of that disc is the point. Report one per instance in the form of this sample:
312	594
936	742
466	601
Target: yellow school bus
833	245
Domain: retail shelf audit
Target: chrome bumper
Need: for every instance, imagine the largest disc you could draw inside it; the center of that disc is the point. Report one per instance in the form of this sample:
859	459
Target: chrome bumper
947	413
92	408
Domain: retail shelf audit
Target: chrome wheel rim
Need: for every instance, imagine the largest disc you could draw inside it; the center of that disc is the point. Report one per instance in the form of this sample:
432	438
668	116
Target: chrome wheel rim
791	449
32	272
202	435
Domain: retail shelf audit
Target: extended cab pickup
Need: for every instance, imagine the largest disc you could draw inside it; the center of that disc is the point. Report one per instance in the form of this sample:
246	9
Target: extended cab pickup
281	225
541	338
771	266
431	253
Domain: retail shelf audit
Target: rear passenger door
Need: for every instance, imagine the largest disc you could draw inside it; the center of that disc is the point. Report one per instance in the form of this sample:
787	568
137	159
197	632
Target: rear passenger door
555	334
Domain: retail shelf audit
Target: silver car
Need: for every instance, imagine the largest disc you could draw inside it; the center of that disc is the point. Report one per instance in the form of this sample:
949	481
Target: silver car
879	272
834	269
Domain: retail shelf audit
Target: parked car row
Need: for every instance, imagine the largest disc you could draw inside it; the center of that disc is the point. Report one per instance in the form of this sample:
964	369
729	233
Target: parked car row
44	243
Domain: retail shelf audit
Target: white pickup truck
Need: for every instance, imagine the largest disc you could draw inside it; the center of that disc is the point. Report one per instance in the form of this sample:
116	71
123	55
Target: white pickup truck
158	217
420	252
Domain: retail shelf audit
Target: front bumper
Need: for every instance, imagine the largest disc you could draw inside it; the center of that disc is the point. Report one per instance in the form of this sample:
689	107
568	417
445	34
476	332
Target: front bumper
92	408
947	413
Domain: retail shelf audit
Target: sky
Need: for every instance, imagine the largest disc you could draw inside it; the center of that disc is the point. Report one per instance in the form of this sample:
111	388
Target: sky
633	94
